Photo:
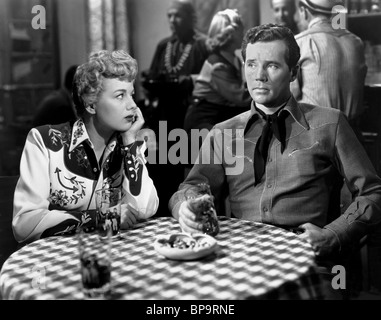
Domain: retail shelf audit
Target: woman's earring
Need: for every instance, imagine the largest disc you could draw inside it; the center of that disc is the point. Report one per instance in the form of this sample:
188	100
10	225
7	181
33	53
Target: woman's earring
90	109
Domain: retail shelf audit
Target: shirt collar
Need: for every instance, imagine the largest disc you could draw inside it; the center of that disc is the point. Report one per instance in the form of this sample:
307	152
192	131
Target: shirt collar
318	20
291	107
294	109
80	135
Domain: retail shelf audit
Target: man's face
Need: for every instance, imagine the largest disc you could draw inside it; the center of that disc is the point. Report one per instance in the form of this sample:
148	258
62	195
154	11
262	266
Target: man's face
178	20
284	11
267	73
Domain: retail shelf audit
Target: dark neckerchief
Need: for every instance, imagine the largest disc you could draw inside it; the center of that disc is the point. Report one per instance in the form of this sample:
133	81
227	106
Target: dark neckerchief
277	124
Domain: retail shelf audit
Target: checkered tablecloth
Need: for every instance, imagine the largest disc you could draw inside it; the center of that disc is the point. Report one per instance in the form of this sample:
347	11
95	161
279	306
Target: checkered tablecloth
253	261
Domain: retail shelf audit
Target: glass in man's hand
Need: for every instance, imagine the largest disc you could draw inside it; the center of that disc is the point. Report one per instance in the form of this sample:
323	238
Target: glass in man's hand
201	202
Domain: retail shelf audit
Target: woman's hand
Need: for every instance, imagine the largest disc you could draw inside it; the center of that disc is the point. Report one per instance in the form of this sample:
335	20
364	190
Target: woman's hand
130	135
187	219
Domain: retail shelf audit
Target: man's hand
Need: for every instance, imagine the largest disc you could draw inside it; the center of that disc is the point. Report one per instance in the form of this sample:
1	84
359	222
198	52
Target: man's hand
187	219
323	241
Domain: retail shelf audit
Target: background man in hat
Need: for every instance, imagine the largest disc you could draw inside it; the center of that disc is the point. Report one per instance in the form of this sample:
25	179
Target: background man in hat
332	63
332	73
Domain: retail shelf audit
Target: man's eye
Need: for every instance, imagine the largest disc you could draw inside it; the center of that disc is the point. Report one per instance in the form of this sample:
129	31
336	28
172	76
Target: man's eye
273	66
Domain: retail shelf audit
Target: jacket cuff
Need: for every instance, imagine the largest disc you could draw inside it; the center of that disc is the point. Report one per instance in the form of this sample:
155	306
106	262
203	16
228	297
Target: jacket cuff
348	234
133	166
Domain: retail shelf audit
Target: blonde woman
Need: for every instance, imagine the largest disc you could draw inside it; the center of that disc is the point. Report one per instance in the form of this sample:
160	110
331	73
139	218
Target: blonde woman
62	165
219	91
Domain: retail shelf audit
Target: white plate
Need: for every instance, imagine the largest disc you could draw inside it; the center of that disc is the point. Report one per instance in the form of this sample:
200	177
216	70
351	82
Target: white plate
193	247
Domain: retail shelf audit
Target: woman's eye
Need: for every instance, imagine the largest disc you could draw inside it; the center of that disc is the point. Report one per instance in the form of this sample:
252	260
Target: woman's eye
120	96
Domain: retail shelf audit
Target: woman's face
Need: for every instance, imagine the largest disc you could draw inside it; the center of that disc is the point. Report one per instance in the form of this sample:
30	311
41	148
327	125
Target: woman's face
115	109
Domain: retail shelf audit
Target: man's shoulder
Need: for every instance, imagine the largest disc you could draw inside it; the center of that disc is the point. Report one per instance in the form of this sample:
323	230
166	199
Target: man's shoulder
199	36
200	43
326	30
318	114
237	122
163	42
302	34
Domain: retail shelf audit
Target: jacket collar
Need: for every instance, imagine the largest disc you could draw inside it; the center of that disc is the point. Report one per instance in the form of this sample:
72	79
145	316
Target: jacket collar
317	21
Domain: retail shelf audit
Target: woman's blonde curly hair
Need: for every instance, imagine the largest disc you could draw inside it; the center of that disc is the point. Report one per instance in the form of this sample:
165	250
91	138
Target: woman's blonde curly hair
221	29
89	76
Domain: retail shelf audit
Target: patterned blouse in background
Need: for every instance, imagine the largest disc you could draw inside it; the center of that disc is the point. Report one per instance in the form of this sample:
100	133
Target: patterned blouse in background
59	174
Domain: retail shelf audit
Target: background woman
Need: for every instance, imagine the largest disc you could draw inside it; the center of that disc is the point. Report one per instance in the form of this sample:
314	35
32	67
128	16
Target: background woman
220	92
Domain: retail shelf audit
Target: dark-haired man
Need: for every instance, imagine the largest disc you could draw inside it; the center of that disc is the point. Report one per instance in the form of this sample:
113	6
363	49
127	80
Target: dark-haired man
294	154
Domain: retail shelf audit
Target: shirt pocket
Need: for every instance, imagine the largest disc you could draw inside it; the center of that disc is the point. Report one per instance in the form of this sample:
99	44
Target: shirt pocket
304	159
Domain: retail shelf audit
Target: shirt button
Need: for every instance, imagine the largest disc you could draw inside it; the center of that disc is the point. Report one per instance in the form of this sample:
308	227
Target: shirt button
129	162
265	209
269	186
131	169
95	169
270	160
132	176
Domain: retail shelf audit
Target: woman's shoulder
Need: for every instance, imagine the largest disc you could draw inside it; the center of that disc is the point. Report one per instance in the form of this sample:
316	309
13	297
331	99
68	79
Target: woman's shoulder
215	58
53	136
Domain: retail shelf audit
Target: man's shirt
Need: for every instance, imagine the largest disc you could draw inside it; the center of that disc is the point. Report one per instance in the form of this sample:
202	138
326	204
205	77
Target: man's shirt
332	68
320	150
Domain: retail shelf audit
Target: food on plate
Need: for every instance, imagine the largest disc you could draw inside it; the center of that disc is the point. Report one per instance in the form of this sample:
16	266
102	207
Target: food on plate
181	246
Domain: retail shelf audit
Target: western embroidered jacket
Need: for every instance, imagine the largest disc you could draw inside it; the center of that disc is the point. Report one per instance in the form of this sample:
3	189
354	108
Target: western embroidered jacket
59	174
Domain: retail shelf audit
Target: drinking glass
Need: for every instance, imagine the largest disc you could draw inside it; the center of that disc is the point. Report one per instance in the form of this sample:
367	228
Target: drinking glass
95	259
201	202
108	205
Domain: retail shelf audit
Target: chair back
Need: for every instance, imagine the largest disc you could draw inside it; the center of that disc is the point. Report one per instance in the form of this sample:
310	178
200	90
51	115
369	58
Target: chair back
8	244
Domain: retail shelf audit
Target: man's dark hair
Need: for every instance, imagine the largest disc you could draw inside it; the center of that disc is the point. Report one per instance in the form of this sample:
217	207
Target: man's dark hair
271	32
